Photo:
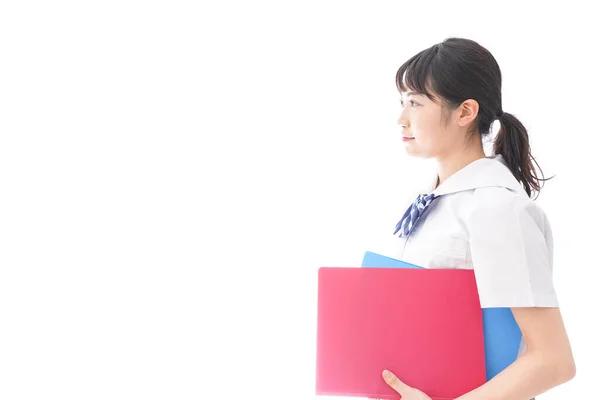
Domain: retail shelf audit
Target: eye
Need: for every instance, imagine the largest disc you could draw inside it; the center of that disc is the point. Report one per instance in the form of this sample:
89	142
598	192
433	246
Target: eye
411	102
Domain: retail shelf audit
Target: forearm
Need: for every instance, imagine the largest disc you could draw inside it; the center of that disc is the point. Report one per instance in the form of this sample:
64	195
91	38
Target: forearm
524	379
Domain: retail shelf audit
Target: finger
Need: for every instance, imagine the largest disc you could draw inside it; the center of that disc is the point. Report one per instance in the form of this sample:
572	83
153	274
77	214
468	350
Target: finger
395	383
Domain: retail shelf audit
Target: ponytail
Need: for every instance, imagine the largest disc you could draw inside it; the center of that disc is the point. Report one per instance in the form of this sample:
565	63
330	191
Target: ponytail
512	143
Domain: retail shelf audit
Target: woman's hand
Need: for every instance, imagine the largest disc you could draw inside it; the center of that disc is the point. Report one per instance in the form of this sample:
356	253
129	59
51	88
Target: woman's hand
403	389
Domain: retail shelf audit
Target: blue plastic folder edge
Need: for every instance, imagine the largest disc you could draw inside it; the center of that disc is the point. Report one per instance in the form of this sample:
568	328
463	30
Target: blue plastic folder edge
501	334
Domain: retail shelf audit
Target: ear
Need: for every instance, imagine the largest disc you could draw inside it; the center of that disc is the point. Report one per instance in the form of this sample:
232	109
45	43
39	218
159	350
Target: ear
467	112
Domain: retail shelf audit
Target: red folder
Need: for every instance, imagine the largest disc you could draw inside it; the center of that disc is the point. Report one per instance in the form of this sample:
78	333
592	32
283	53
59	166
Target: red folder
424	325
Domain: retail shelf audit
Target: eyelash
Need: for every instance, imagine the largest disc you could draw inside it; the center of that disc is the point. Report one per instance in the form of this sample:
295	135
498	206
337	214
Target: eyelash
413	103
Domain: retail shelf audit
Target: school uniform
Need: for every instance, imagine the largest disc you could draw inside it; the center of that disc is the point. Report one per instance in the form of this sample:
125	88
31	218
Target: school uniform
480	218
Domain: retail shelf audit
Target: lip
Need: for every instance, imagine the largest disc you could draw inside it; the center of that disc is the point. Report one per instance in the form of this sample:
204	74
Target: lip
406	139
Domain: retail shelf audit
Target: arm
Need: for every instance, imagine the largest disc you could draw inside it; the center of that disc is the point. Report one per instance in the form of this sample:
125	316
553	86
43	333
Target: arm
511	247
548	361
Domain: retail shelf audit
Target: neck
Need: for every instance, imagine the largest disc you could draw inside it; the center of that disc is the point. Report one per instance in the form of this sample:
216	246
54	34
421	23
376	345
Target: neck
449	165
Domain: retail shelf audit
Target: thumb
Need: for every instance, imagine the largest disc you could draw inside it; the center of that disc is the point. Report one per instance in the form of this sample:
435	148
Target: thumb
396	384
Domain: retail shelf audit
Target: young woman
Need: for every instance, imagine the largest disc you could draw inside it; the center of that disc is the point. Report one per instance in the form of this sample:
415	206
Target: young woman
479	213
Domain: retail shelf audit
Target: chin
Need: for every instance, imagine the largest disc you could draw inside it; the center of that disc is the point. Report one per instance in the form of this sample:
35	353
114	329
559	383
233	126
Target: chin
417	154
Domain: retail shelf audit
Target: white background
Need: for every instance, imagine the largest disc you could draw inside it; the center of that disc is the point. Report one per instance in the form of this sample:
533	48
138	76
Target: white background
172	174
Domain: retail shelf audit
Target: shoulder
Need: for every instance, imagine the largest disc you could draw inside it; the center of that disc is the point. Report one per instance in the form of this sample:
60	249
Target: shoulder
511	249
503	203
500	213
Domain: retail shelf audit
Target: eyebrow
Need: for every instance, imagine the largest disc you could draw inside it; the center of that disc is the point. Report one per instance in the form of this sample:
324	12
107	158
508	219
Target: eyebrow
413	94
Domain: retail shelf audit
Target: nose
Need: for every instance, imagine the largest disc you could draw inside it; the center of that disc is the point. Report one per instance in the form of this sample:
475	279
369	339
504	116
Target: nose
402	121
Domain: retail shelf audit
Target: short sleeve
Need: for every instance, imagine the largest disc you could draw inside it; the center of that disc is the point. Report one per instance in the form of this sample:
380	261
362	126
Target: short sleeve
511	248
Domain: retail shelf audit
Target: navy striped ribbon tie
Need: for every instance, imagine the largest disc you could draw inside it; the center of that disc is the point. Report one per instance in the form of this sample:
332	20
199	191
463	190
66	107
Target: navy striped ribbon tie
413	213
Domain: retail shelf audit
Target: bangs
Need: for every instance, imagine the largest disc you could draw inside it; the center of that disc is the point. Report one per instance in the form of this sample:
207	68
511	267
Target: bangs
415	74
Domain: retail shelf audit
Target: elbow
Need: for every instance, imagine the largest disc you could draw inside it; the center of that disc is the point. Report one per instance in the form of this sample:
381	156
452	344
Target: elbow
564	370
558	370
569	369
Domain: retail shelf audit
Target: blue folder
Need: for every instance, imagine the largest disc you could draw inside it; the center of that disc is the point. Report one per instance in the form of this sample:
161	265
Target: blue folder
501	334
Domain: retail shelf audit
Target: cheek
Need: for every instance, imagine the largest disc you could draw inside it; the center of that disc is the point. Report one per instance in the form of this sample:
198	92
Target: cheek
428	132
431	139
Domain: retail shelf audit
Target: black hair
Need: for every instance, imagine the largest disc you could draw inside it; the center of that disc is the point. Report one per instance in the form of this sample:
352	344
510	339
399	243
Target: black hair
460	69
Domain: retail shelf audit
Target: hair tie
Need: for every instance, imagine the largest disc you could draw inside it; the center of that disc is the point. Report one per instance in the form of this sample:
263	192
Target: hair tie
500	114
